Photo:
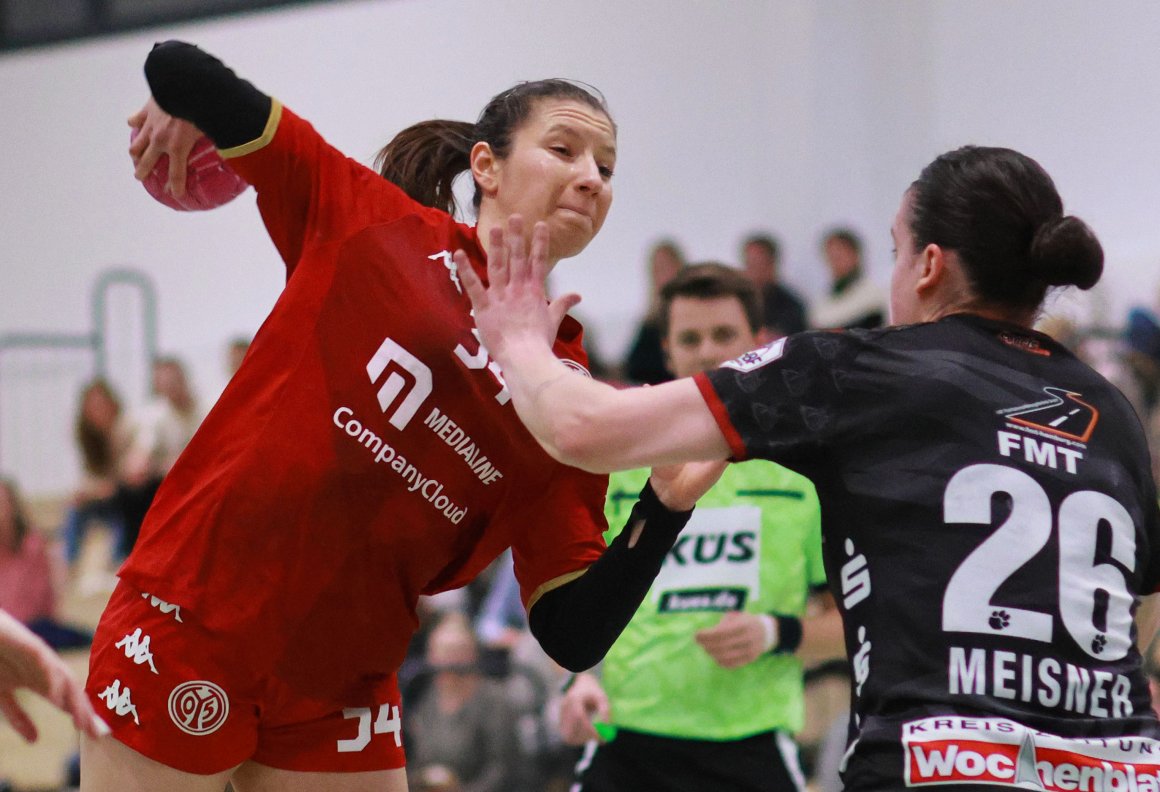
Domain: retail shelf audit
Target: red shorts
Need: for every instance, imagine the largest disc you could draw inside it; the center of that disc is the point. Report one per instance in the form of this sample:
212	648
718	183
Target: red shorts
177	694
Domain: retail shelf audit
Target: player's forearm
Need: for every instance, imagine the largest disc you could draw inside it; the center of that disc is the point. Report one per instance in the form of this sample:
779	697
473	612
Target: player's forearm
593	426
822	638
578	622
565	411
191	84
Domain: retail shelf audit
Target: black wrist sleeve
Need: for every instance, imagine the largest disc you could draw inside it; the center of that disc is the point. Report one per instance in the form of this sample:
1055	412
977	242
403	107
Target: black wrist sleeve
194	85
789	634
578	622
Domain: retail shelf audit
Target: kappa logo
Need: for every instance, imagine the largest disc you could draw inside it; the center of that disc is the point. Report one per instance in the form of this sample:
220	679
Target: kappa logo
137	649
163	606
758	357
119	700
198	708
1062	414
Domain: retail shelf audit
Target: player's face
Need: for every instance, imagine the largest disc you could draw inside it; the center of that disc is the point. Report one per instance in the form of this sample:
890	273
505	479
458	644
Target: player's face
703	334
559	170
904	307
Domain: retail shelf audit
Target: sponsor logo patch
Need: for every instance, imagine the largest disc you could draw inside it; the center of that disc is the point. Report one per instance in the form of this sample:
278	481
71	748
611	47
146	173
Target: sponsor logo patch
758	357
722	599
198	708
1000	752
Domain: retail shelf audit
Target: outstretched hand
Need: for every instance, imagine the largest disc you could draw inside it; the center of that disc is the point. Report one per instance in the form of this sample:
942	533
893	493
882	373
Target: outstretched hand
159	133
27	662
513	307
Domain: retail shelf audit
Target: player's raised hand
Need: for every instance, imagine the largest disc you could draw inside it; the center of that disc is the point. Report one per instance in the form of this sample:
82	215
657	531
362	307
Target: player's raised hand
159	133
513	308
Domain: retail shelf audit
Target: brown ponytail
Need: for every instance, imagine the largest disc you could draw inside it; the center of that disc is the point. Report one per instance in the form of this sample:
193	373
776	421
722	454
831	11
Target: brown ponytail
424	160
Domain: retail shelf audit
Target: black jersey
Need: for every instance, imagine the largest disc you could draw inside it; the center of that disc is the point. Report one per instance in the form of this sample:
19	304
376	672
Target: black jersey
989	523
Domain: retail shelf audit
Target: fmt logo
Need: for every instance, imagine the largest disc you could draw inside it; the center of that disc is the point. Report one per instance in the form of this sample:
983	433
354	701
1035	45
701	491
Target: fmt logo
408	382
1062	414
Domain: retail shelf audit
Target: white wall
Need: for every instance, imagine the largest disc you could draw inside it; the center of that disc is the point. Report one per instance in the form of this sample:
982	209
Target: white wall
734	115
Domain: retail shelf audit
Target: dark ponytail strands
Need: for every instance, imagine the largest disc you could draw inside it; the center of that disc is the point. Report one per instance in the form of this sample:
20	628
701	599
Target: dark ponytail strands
1000	212
424	160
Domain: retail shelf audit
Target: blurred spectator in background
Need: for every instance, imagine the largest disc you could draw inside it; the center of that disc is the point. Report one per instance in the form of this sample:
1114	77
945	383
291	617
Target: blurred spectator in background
502	621
103	438
1143	357
161	431
235	354
28	581
645	364
784	312
461	732
853	299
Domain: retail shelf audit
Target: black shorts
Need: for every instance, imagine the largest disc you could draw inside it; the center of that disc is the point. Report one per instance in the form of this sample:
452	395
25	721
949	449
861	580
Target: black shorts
766	762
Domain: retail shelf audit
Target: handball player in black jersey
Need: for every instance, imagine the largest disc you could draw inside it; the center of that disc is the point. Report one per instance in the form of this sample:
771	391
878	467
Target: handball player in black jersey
365	453
989	518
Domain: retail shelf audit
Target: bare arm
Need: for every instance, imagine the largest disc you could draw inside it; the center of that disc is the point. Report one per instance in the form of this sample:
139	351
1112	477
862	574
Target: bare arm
577	420
822	636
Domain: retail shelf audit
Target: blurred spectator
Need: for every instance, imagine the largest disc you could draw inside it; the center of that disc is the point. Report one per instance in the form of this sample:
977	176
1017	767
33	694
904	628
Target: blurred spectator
502	620
784	312
645	363
236	353
1143	356
28	582
461	733
853	300
161	431
1152	669
103	438
1063	330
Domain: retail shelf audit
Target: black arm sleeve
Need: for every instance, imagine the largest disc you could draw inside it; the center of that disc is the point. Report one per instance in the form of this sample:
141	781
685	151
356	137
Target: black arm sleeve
194	85
578	622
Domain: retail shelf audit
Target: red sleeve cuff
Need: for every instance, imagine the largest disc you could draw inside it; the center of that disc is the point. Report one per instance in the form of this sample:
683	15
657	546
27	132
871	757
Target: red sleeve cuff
721	416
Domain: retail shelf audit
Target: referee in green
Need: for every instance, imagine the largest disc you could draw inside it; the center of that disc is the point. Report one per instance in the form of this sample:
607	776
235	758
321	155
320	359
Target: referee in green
703	690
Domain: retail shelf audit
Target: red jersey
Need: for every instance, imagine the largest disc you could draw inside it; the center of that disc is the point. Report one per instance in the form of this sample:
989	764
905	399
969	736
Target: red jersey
366	452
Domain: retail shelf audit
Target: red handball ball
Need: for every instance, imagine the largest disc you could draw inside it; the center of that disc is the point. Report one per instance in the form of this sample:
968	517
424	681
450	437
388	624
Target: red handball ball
209	181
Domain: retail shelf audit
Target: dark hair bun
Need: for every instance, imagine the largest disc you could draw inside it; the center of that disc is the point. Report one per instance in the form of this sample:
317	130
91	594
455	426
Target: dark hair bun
1065	252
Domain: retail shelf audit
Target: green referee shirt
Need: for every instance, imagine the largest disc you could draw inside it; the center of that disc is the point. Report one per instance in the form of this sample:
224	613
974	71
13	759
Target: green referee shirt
753	544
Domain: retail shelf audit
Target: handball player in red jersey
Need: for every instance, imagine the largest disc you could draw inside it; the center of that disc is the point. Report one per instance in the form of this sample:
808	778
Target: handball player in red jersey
989	517
366	452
